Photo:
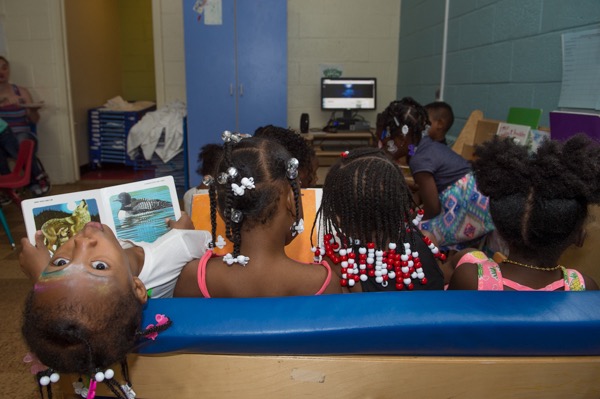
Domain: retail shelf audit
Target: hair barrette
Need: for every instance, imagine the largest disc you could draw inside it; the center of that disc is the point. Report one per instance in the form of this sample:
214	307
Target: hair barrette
240	259
345	154
161	319
222	178
292	168
404	130
297	227
226	136
246	183
208	180
48	376
236	215
412	149
391	147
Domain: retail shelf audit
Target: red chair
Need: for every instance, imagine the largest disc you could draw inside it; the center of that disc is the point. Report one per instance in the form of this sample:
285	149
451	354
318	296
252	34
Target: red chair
21	174
18	178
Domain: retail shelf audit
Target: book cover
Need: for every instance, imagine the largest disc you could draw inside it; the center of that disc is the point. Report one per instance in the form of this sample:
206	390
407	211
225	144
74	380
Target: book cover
134	211
564	124
299	249
519	133
524	116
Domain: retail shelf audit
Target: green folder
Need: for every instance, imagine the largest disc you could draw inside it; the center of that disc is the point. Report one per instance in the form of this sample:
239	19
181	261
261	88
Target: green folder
524	116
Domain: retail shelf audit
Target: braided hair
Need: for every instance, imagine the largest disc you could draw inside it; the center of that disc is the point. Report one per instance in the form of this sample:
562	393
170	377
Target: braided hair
353	206
266	162
295	144
85	337
402	112
539	202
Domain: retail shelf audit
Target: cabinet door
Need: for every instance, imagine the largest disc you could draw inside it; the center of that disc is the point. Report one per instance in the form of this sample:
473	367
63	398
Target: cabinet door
262	63
210	80
236	72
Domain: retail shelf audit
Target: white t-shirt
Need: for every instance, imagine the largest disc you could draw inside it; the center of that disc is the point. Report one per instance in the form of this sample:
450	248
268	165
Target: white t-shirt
165	257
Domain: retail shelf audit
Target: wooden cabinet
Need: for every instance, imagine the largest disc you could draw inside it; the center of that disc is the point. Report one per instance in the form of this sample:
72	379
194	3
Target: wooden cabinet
329	146
236	71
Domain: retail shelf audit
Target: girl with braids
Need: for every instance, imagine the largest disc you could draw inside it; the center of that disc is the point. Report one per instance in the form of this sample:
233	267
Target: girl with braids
369	227
298	147
456	213
257	193
539	204
84	312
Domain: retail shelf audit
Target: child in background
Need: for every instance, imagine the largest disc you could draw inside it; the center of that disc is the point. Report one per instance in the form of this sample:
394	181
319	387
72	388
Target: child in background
367	215
456	213
539	205
208	159
441	118
84	312
257	193
298	147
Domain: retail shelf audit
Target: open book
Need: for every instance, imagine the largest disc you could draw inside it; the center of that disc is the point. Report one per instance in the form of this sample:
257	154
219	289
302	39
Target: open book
134	211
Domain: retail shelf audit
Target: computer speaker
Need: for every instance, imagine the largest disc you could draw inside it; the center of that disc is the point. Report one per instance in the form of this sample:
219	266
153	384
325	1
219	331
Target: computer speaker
304	123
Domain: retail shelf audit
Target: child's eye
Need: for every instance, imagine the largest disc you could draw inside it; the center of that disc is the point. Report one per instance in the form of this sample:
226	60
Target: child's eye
99	265
60	262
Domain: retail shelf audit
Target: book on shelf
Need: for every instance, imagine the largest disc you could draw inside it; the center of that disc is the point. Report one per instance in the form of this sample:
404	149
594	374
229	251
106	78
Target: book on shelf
523	135
134	211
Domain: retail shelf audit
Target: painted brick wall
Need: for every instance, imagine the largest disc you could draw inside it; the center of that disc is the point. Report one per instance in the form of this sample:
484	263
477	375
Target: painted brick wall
501	53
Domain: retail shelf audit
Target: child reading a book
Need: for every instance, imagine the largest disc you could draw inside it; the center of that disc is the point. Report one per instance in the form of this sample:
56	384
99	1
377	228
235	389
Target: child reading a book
84	311
369	234
257	193
456	213
539	204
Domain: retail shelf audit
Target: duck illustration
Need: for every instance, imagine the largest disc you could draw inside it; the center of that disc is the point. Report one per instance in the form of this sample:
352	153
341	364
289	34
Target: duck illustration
135	206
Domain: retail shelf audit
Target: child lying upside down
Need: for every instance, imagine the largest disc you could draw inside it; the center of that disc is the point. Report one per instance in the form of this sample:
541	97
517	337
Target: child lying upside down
84	311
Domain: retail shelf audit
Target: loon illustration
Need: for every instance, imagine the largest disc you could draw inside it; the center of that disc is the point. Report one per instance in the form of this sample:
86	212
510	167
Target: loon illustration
134	206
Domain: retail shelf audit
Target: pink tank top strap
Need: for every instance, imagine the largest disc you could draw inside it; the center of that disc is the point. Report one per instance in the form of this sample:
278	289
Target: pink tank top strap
327	279
202	273
573	280
489	276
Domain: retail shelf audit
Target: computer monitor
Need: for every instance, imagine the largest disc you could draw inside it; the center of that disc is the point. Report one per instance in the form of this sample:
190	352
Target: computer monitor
349	95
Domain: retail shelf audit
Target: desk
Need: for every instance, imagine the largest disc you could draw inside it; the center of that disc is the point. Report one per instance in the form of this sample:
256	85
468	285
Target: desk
328	146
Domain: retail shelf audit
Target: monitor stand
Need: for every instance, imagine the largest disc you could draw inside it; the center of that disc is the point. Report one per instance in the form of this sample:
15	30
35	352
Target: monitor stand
348	123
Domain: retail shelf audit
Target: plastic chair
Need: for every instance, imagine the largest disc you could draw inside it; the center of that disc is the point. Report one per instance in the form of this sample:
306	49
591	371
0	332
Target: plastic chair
18	178
21	174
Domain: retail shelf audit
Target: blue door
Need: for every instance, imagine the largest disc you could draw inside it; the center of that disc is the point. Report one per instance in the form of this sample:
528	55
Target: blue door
262	63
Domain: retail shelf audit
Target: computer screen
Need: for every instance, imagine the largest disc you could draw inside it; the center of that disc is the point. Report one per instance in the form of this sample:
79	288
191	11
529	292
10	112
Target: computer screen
348	93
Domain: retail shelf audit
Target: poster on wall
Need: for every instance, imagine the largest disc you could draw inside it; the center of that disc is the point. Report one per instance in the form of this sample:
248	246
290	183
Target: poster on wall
581	76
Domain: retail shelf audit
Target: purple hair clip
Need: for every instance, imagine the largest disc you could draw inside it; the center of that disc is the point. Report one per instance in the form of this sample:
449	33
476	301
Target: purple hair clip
412	149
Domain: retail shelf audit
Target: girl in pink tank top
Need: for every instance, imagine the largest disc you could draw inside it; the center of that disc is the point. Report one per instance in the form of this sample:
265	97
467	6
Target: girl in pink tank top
539	204
256	190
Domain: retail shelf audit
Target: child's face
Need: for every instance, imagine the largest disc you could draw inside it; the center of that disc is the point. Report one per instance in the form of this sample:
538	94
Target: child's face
90	265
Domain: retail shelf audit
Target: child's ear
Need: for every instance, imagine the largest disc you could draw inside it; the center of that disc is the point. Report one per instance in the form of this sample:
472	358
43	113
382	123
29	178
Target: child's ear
140	290
291	202
580	238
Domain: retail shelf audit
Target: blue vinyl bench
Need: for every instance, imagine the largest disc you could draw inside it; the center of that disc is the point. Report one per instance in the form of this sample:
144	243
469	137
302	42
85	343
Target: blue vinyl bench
419	344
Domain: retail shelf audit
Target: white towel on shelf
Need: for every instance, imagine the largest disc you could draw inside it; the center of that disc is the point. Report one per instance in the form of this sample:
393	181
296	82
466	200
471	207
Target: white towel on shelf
147	131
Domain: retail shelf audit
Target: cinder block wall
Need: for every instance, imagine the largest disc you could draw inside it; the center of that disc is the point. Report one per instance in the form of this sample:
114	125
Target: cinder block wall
501	53
359	36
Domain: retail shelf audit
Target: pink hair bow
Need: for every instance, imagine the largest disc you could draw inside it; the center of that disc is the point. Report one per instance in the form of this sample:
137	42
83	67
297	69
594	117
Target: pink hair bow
160	320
